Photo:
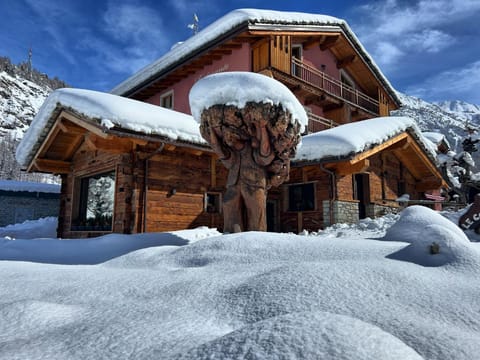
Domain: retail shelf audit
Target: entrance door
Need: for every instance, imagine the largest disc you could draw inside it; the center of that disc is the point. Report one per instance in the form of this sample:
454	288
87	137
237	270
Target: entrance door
361	192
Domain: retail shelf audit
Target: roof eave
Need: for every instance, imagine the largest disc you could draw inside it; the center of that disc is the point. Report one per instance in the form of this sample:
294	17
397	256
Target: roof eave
368	61
190	56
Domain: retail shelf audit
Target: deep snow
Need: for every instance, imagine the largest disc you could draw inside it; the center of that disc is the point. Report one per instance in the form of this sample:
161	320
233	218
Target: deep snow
349	292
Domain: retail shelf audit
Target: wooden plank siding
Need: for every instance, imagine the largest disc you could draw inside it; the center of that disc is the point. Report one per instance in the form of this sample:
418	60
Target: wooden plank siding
261	55
280	50
176	186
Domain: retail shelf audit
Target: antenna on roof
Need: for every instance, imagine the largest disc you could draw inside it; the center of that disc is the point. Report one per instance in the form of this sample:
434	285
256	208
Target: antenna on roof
194	25
29	63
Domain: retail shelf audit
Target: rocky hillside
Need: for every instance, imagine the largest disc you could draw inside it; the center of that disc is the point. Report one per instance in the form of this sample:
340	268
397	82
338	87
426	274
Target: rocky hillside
20	100
22	92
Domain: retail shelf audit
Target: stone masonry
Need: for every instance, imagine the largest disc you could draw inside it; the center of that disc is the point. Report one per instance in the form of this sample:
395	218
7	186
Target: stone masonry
343	212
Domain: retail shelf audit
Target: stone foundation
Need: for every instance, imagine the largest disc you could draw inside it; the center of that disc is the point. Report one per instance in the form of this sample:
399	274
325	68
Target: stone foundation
343	212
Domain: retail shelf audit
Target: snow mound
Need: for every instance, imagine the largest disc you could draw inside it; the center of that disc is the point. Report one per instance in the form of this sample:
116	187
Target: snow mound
237	88
305	335
434	240
96	250
23	318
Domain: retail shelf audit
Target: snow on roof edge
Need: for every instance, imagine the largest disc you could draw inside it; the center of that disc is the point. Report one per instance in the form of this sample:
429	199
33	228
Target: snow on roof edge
110	112
29	186
233	20
338	144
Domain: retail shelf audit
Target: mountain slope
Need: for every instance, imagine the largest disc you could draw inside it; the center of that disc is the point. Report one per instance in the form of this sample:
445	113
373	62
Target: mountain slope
20	100
449	118
470	112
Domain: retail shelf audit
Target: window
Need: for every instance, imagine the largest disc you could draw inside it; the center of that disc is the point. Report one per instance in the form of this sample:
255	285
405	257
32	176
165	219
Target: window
212	203
301	197
297	51
95	203
297	54
166	100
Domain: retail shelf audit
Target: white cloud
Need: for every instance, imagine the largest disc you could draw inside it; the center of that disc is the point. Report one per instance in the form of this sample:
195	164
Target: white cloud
132	23
135	36
186	8
431	41
460	83
387	53
411	28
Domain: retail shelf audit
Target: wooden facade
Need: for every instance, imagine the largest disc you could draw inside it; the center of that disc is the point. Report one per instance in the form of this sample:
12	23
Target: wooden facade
370	183
158	186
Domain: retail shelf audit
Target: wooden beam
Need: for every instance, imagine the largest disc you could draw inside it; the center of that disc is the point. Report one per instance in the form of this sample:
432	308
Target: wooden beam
70	128
312	41
52	166
293	33
221	51
380	147
350	167
426	160
52	134
329	42
232	46
93	128
170	147
115	145
430	183
342	63
73	147
402	145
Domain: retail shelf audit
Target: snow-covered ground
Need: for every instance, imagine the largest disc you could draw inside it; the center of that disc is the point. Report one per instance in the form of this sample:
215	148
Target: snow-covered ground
366	291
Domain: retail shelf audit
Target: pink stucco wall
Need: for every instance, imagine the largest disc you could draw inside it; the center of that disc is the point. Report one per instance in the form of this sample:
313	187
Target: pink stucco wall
238	60
316	58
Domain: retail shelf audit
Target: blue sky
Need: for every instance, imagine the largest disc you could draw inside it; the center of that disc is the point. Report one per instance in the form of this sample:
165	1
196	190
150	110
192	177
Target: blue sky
426	48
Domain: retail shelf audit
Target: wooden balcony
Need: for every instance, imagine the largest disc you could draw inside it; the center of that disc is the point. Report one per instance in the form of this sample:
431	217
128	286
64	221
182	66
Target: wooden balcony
318	123
274	56
333	87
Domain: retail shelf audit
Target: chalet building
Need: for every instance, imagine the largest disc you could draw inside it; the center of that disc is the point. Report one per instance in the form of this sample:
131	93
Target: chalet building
135	162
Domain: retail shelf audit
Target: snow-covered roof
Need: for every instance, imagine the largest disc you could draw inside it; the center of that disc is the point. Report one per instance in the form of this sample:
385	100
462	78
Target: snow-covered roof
235	20
110	112
436	138
237	88
347	140
29	186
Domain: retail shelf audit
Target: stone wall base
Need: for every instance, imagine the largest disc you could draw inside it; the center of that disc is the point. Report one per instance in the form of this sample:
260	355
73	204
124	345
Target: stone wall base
343	212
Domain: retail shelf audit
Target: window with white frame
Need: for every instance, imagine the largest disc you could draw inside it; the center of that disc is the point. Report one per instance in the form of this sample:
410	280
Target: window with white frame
166	100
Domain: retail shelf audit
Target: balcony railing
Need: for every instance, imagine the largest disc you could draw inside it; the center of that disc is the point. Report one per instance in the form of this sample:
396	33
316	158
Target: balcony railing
332	86
317	123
